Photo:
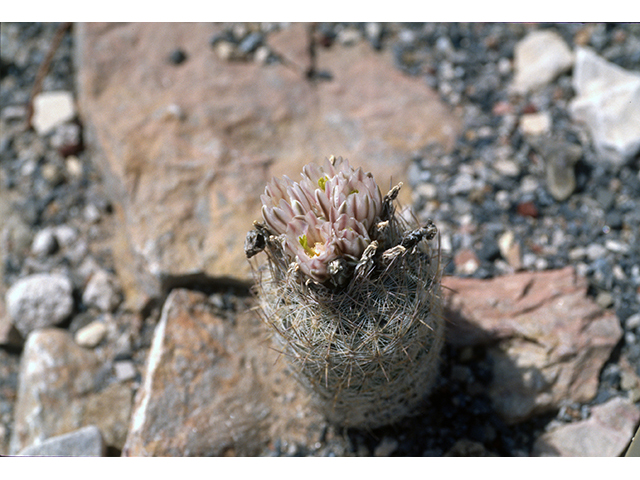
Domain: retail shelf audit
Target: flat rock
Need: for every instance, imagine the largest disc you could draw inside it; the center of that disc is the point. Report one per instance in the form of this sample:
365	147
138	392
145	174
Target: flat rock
51	109
546	339
539	58
38	301
186	186
85	442
606	433
213	387
608	102
61	390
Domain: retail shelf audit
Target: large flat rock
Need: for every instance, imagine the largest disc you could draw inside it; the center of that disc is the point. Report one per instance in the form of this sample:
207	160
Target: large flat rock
214	387
546	338
187	149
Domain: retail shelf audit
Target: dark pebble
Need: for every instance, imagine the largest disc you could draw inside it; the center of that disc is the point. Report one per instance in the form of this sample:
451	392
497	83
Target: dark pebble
177	57
250	43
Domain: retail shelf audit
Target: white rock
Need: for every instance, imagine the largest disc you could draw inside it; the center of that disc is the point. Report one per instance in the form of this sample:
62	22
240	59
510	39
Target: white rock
39	301
535	123
85	442
608	102
65	235
102	292
125	370
51	109
44	242
91	335
539	58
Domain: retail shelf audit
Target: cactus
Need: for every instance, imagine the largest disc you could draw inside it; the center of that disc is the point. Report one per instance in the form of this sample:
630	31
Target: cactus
351	292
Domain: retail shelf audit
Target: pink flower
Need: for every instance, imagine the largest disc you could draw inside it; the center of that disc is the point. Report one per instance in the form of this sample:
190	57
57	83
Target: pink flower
326	216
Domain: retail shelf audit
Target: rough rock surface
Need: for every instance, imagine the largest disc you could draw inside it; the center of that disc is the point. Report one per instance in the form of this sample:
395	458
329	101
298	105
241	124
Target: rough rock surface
553	340
85	442
213	387
58	392
187	148
39	301
608	102
606	433
539	58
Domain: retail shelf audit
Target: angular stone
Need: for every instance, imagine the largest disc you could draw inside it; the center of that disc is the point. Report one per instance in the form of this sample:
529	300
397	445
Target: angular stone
606	433
608	102
539	58
214	387
85	442
60	391
51	109
186	188
38	301
102	291
547	340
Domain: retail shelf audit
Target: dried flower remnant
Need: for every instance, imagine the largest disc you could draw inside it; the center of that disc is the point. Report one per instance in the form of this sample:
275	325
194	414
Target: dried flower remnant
351	293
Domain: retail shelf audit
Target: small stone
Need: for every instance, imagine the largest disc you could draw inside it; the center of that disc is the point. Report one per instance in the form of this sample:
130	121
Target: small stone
67	139
102	291
51	109
91	213
386	447
540	57
595	251
605	434
608	102
85	442
91	335
535	123
74	166
510	249
604	299
262	54
616	246
508	168
633	321
44	242
177	57
348	36
38	301
250	43
125	370
225	50
65	235
466	262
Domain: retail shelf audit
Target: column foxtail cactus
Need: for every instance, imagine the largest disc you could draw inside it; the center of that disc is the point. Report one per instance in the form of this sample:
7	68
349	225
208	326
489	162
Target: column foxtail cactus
351	292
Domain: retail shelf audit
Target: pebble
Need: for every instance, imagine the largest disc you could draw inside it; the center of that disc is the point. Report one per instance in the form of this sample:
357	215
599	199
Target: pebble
91	335
102	291
633	322
85	442
608	102
44	242
177	56
536	123
125	370
386	447
539	58
604	299
51	109
38	301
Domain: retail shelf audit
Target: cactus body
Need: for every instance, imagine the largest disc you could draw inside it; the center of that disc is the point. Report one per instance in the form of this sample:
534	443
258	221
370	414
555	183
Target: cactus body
366	340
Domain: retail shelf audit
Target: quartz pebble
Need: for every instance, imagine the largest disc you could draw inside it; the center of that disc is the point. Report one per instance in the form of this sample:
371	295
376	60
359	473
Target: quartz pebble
38	301
91	335
51	109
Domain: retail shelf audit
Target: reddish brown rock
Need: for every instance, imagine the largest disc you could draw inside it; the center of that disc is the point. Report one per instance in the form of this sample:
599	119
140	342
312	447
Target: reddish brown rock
606	433
547	340
214	387
187	149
